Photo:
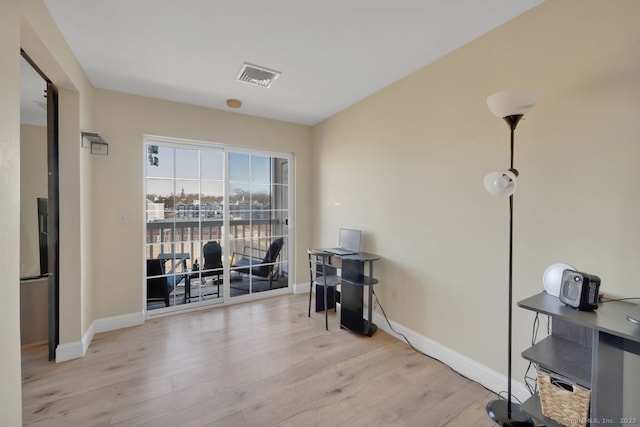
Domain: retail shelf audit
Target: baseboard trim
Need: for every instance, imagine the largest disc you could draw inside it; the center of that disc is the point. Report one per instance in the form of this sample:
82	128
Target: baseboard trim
68	351
118	322
460	363
77	349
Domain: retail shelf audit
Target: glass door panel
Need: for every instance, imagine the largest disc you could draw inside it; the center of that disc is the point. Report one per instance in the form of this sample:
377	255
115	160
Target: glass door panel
258	225
207	282
166	261
187	164
239	167
212	165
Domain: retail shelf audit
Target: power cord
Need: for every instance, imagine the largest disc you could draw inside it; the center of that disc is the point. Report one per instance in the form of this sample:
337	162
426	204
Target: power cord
431	357
531	381
393	329
619	299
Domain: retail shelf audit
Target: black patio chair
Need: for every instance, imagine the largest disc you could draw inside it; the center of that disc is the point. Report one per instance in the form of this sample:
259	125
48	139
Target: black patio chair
158	288
212	253
255	266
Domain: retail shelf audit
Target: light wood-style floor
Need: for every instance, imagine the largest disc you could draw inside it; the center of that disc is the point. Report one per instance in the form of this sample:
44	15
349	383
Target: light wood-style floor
263	363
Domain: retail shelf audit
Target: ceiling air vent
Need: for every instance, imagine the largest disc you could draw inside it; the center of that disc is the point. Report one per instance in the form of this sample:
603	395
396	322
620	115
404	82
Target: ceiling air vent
256	75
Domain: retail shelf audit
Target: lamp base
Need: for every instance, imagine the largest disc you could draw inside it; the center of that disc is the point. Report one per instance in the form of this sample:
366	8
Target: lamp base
497	410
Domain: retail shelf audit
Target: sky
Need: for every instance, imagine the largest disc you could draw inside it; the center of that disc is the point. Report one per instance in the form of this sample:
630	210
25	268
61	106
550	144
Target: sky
194	170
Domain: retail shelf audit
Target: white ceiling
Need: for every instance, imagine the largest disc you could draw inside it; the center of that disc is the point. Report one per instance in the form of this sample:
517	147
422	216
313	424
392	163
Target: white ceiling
332	53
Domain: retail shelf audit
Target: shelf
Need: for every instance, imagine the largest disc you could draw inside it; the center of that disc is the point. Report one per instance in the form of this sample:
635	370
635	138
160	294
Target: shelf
362	281
610	317
532	407
564	357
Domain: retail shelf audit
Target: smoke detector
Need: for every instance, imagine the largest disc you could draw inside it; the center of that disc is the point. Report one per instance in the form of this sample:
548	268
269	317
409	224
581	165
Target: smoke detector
256	75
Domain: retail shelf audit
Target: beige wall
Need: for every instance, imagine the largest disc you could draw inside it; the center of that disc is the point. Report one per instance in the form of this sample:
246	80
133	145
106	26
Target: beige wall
10	385
123	120
406	166
44	43
33	185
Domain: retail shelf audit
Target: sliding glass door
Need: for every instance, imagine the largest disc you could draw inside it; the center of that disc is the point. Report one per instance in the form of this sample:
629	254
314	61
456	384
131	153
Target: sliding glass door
258	223
216	223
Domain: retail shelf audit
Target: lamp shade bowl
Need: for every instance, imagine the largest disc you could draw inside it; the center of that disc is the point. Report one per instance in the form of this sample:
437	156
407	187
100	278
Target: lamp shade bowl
513	102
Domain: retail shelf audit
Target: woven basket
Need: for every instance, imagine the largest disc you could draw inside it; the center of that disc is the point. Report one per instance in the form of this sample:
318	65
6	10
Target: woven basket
562	400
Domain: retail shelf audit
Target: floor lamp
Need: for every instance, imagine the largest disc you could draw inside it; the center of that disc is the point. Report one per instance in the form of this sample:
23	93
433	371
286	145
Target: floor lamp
510	106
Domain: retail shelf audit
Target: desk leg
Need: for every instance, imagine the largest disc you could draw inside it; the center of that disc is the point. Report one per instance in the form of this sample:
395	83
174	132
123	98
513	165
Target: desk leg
352	313
187	288
370	307
187	281
351	308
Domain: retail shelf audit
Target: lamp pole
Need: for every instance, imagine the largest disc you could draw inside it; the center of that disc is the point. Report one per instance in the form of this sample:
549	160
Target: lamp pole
504	413
512	121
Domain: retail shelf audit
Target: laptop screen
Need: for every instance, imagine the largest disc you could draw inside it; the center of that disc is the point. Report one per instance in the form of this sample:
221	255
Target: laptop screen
349	239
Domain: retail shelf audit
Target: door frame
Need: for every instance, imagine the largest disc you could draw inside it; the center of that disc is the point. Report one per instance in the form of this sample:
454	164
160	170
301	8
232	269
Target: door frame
149	139
53	209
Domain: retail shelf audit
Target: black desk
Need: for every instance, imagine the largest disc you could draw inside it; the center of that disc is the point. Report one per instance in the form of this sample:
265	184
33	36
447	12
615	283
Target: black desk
356	272
201	275
177	257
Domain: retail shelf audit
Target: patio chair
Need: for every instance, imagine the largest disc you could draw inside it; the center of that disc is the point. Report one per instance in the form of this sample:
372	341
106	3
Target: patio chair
212	253
255	266
158	288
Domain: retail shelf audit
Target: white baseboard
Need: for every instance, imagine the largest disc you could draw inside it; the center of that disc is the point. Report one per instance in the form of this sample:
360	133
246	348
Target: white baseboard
471	369
68	351
76	349
118	322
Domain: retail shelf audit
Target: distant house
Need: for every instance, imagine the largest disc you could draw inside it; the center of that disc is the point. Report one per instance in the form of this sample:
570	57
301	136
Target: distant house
155	211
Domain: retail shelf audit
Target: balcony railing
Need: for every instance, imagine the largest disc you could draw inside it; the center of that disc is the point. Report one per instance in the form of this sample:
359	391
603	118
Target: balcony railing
187	236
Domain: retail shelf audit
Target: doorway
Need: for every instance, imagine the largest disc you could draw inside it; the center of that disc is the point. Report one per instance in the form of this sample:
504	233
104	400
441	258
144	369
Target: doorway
39	208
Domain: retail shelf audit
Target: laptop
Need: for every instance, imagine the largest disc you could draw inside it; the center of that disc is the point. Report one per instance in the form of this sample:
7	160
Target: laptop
348	242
